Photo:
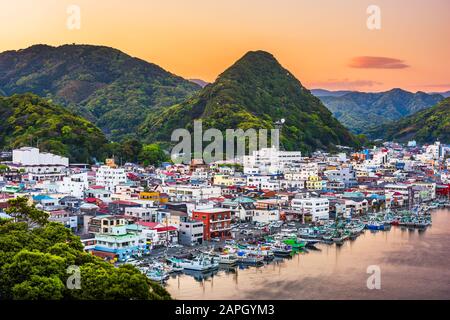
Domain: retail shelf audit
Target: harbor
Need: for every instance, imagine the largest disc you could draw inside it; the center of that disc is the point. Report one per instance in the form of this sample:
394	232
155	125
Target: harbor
278	248
413	264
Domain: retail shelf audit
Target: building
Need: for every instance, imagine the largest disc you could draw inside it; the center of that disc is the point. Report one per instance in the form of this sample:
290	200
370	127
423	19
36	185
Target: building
270	160
216	222
113	240
110	177
190	232
74	185
319	208
190	193
39	165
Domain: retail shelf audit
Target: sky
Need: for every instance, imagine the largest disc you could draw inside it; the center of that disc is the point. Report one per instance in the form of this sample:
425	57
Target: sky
324	43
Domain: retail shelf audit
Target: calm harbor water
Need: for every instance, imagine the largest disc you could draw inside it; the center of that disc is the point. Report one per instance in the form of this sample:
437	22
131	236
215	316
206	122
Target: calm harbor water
413	264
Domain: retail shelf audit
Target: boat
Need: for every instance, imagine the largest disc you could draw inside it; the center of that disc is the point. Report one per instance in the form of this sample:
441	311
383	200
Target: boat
281	249
200	263
228	259
247	258
295	244
374	225
175	264
157	273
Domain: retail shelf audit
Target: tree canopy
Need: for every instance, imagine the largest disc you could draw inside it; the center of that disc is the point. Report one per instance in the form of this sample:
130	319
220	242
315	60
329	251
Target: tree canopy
36	263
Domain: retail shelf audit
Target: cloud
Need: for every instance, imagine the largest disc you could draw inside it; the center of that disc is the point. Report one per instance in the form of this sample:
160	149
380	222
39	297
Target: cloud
366	62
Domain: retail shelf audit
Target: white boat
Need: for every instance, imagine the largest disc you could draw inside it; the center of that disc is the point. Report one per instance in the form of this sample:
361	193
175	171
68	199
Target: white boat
156	273
250	258
228	259
199	263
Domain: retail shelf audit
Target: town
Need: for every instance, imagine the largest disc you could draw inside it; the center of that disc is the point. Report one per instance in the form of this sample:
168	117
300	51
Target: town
196	217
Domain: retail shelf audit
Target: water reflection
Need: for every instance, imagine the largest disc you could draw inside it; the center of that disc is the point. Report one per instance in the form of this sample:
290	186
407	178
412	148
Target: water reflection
414	265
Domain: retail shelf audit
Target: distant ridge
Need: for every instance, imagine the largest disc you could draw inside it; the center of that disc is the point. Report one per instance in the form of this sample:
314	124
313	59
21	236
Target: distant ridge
361	111
200	82
327	93
425	126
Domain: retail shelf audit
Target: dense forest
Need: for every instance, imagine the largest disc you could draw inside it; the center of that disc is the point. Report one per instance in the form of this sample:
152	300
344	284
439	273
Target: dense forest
28	120
424	126
102	84
255	93
361	111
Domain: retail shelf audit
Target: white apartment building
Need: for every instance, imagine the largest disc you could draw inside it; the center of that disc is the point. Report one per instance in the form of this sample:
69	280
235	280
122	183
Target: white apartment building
75	185
39	166
271	160
345	175
435	151
29	156
110	177
319	208
192	193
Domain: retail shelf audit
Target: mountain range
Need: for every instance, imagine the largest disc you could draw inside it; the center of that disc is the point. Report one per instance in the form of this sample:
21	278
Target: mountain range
425	126
110	88
361	111
90	87
255	92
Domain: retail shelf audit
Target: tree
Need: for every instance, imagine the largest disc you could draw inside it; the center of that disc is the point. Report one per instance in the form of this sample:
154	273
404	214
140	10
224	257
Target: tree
19	210
34	264
130	149
152	154
3	168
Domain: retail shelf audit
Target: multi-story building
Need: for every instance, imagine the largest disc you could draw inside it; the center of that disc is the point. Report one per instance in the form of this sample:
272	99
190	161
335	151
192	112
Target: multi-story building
319	208
114	240
216	222
191	193
39	165
190	232
75	185
271	160
110	177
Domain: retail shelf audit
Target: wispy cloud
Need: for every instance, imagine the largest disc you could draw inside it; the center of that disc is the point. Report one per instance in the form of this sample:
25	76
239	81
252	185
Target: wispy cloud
344	84
366	62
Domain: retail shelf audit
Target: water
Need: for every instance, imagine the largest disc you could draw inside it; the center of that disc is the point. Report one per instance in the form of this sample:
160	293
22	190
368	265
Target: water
413	264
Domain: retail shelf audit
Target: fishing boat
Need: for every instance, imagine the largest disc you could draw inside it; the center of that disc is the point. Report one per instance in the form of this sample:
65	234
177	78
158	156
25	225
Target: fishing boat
157	273
228	259
375	225
295	244
175	264
281	249
247	258
200	263
261	250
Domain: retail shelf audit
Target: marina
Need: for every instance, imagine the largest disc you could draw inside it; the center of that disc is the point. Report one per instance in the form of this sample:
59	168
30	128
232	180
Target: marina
283	248
413	263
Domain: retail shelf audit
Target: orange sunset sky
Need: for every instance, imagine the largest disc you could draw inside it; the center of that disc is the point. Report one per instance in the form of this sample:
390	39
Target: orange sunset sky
325	43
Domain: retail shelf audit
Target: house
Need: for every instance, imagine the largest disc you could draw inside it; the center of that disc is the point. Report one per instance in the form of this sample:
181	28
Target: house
112	237
190	232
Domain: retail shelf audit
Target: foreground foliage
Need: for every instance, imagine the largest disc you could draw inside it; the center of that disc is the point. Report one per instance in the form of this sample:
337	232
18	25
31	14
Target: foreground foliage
34	264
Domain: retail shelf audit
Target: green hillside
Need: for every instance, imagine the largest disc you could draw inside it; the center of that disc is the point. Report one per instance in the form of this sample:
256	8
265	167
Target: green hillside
30	120
255	93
